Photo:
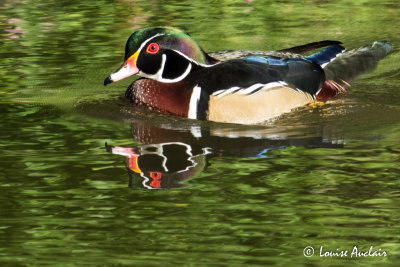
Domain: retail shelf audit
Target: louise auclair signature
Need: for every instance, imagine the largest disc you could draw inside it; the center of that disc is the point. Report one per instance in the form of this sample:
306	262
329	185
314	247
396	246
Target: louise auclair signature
354	253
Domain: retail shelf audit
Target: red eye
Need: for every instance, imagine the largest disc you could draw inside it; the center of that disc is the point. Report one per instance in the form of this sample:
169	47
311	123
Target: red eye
152	48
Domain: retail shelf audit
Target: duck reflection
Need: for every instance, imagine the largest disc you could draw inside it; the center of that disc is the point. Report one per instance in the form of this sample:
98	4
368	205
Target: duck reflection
163	165
169	156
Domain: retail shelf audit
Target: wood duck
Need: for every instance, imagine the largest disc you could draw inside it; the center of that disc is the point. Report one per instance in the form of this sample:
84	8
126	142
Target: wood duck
179	78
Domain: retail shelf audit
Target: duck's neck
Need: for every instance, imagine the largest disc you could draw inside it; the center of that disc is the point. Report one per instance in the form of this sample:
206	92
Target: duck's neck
170	98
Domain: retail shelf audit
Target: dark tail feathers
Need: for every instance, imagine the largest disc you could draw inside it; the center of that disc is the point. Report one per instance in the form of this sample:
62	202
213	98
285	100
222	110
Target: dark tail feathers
356	62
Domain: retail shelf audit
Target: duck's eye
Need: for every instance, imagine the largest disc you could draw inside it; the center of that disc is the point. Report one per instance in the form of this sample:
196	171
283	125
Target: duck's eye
152	48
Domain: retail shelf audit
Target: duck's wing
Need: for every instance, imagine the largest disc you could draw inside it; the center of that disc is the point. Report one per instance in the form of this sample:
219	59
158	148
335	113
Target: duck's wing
301	49
305	74
293	52
224	55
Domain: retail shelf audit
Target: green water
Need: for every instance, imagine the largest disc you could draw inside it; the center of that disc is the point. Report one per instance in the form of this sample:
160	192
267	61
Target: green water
203	193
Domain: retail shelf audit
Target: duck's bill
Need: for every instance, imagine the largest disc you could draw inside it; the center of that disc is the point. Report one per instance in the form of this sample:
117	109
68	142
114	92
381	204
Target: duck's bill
127	69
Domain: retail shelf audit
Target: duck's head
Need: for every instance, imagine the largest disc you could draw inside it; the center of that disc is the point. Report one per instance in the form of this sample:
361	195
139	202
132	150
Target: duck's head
164	54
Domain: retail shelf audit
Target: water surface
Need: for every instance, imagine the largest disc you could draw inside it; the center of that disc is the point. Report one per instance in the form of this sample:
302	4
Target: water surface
89	179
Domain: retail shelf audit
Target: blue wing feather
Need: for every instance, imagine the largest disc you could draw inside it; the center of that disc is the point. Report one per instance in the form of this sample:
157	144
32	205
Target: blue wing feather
266	60
303	73
326	55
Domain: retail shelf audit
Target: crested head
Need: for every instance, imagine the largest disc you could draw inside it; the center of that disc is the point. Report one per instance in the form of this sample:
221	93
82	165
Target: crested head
168	38
164	54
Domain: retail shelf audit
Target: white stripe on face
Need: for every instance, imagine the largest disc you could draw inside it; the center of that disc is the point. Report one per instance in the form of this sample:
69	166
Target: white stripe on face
159	75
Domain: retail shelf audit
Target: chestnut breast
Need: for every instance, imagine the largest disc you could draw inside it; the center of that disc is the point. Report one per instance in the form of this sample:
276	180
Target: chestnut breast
172	98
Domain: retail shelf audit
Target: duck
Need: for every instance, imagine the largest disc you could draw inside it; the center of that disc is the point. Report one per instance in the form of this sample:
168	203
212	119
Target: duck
177	77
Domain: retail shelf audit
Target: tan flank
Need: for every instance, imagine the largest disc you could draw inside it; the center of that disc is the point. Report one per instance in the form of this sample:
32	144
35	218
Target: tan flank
257	107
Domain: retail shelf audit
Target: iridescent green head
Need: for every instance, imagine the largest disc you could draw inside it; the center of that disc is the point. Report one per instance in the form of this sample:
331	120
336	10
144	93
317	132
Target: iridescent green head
164	54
